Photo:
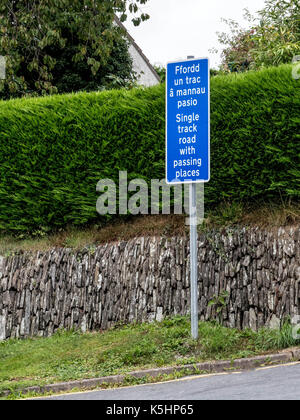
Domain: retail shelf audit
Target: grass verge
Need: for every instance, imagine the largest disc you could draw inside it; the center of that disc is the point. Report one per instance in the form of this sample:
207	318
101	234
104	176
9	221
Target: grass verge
72	355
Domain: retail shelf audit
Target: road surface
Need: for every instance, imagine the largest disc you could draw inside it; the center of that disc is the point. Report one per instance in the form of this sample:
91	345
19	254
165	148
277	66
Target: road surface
271	383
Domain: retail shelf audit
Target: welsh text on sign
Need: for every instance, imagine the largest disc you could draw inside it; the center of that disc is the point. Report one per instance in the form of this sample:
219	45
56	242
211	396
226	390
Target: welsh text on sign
188	125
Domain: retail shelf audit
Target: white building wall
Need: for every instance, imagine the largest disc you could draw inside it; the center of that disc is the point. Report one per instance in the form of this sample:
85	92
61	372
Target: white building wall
145	75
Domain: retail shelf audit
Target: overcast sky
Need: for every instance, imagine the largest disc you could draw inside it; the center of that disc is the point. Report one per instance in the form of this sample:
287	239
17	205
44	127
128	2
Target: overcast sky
178	28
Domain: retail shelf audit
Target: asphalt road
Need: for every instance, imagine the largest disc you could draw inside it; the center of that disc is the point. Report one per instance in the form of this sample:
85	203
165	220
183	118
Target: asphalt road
272	383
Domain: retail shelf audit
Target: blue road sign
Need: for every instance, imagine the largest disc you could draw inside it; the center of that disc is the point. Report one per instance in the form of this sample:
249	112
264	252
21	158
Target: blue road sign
188	122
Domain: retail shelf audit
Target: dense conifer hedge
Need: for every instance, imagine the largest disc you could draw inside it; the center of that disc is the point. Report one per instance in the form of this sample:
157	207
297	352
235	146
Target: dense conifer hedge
54	150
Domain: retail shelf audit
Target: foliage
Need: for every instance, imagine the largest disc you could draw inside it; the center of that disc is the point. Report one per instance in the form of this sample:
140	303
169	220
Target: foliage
255	147
273	37
54	150
50	43
70	76
219	302
161	71
214	72
237	56
279	339
278	34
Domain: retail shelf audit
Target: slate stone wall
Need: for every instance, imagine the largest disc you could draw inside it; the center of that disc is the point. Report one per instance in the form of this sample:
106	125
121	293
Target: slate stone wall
148	278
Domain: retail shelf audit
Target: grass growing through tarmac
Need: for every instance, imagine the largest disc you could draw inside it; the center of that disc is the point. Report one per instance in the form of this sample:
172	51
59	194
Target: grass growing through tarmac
73	355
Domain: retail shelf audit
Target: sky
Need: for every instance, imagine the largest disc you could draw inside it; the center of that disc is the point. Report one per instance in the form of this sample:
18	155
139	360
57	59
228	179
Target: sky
178	28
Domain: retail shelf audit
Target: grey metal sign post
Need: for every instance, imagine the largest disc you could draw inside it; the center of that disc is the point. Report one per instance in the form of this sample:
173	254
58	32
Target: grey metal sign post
194	261
193	255
187	146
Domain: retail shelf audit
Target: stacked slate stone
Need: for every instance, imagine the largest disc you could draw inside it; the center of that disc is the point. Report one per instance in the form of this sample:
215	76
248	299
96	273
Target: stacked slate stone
145	279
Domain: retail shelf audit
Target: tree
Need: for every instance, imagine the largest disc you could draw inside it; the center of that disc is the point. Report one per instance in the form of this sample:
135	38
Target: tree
161	71
277	37
69	75
237	55
54	45
272	39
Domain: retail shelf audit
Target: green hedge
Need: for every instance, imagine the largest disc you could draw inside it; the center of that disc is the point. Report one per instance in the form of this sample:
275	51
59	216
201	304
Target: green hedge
54	150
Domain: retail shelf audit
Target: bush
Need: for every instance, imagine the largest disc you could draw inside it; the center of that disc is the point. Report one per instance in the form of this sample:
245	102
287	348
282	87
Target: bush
55	149
255	136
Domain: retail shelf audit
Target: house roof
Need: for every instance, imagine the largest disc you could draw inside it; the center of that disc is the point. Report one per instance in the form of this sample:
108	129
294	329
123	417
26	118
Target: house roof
132	41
